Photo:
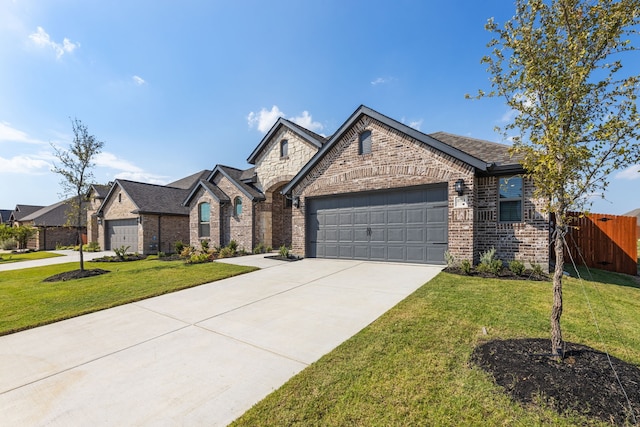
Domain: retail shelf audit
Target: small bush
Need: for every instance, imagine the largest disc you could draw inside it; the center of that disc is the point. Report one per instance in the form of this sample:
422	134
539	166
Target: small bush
283	251
269	249
466	266
204	244
259	249
8	244
91	247
489	264
226	252
516	267
488	256
161	254
198	258
233	245
121	252
178	246
450	259
536	269
187	251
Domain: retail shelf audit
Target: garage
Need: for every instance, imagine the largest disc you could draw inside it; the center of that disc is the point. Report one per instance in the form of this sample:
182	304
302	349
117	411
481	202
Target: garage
408	225
122	232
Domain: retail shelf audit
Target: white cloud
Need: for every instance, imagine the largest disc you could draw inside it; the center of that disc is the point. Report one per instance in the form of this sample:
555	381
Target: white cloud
416	124
10	134
264	119
381	80
630	173
138	80
127	169
508	116
26	165
41	39
307	122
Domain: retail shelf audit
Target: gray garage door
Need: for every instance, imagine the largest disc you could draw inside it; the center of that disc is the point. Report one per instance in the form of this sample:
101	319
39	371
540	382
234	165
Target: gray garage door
123	232
404	226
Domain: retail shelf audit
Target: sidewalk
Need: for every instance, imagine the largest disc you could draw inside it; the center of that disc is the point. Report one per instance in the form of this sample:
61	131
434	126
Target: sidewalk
70	256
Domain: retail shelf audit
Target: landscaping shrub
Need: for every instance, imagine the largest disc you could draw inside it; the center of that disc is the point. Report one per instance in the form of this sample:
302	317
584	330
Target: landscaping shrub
259	249
178	246
488	262
204	244
226	252
537	269
91	247
466	266
284	251
187	251
199	258
233	245
8	244
516	267
121	252
450	259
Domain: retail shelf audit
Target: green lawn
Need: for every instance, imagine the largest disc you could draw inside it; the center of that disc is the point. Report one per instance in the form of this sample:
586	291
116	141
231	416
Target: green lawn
26	301
9	257
410	367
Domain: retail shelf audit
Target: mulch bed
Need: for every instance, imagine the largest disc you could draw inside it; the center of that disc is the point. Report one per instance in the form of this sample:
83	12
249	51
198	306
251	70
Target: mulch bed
504	274
118	259
282	258
583	382
75	274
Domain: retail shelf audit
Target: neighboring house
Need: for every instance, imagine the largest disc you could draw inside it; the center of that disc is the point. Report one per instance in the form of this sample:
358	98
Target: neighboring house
247	205
5	214
375	190
636	213
96	196
146	218
51	224
21	211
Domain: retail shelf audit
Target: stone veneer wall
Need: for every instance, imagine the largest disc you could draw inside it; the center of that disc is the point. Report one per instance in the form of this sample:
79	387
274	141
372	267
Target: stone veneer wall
214	220
526	241
272	169
238	228
396	161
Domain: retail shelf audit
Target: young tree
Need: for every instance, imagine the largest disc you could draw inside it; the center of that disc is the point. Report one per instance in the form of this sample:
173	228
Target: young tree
75	168
22	234
558	64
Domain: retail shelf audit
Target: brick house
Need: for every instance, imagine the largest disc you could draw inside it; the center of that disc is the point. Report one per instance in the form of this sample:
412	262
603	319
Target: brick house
51	225
147	218
375	190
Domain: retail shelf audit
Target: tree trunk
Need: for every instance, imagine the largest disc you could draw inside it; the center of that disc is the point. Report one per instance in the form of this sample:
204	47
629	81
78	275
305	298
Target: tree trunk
556	310
80	231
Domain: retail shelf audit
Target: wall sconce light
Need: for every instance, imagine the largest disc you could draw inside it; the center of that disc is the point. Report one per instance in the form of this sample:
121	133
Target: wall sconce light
139	220
296	202
99	221
459	186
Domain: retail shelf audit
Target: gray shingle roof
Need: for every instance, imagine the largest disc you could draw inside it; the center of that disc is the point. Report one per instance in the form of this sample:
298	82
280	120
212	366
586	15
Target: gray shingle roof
188	182
101	190
235	176
23	210
5	214
488	152
155	199
54	215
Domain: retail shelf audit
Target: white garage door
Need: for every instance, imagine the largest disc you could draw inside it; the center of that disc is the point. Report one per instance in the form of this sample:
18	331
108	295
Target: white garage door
408	225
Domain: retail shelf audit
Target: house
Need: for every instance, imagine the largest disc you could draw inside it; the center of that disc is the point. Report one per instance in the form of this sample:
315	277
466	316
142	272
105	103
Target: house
51	224
375	190
636	213
5	214
146	218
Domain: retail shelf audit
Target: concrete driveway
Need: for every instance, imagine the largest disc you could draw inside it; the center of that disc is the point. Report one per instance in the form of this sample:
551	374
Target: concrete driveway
201	356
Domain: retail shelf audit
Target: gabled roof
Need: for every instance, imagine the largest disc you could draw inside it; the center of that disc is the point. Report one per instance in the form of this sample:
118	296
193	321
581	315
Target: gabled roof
236	177
23	210
636	213
485	149
54	215
151	198
188	182
5	214
208	187
305	134
101	191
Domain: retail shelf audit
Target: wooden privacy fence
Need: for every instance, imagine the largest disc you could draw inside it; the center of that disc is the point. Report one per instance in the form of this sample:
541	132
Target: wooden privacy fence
604	241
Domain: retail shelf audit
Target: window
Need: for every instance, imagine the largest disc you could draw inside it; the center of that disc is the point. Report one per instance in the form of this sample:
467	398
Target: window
284	148
204	215
119	197
237	206
364	142
510	196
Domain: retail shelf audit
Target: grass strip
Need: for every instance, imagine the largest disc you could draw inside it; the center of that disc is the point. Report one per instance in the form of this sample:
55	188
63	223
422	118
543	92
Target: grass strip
410	367
6	258
26	301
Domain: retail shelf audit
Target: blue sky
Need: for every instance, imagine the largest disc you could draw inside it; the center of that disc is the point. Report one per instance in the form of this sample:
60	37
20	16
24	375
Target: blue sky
173	88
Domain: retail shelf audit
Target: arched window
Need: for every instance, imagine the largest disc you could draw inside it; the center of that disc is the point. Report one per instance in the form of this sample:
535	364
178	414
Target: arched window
237	206
284	148
364	142
204	216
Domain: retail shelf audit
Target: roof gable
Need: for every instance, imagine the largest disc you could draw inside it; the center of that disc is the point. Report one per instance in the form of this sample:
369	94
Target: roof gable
240	179
209	188
190	181
54	215
150	198
23	210
307	135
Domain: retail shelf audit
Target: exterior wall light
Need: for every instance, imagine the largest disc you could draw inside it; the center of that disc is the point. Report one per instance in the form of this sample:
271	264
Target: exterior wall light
459	186
296	202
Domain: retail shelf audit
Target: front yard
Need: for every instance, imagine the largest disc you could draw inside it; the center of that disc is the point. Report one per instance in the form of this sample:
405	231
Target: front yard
26	301
411	366
7	256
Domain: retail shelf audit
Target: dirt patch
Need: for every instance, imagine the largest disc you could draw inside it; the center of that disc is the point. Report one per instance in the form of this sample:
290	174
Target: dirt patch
75	274
583	382
504	274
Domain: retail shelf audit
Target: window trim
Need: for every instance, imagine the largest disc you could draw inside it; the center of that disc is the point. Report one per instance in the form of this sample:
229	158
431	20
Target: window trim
284	148
202	223
362	148
237	201
511	199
